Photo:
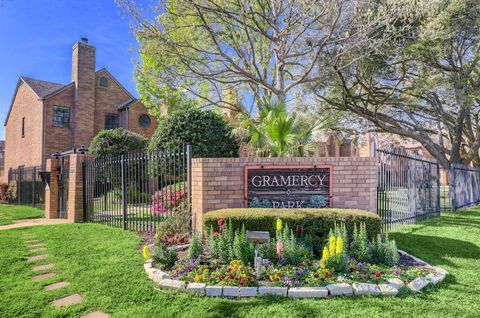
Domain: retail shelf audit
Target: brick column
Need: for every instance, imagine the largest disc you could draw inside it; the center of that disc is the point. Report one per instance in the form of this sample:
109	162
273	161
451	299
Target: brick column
52	191
75	211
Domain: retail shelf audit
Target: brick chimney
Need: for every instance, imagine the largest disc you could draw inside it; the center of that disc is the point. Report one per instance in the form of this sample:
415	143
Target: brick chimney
83	75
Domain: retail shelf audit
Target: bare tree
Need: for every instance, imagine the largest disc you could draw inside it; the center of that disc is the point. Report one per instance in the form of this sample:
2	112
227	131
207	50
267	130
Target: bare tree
259	48
424	86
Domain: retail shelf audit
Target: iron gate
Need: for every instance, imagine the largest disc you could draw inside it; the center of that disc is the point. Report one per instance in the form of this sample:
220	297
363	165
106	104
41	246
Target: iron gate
408	188
63	178
138	190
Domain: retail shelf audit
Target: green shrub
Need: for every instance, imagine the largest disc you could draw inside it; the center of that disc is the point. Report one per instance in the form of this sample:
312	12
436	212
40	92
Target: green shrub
359	246
196	247
117	141
178	222
314	222
204	129
384	251
164	258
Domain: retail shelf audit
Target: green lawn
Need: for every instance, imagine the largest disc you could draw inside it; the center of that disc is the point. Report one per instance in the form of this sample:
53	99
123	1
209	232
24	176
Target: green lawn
105	265
9	213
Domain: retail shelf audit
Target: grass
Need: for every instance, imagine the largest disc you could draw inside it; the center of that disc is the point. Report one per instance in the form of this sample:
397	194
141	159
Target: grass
9	213
105	266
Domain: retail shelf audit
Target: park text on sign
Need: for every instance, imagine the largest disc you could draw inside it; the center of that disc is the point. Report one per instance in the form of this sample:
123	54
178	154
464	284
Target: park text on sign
288	186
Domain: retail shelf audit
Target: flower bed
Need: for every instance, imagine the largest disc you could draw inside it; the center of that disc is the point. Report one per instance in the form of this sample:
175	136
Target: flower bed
347	265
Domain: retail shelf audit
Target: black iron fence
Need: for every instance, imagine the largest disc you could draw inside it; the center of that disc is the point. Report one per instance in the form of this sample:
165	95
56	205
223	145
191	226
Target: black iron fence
408	188
464	186
138	190
25	187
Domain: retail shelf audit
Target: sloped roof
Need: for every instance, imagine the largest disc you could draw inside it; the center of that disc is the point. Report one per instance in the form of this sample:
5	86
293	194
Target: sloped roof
127	104
42	88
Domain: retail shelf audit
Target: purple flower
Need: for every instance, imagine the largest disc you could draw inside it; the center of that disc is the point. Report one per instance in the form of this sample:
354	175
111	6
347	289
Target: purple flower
361	265
353	260
397	272
201	256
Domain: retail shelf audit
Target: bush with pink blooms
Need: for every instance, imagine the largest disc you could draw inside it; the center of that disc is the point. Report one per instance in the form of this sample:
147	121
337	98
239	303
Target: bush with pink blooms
167	198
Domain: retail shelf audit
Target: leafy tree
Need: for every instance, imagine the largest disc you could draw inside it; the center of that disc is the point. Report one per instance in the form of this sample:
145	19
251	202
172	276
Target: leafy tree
261	48
205	130
424	84
117	142
275	132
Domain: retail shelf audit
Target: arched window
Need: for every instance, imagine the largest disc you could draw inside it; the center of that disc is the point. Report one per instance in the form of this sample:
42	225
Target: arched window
103	81
144	121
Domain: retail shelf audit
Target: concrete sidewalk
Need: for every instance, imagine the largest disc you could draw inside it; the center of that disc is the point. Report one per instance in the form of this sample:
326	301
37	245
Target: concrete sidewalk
32	222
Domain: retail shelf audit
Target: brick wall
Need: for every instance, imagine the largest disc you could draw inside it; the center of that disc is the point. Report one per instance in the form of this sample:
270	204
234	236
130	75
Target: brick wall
218	183
26	150
107	100
58	138
83	75
134	113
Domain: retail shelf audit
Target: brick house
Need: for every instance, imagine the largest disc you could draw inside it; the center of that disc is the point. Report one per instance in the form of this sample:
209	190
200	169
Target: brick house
46	117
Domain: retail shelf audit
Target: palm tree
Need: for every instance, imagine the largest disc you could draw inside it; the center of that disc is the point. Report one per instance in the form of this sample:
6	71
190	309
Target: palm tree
275	132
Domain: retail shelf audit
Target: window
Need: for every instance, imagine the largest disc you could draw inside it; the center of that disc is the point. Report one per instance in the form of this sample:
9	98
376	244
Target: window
61	116
23	127
103	81
144	121
111	121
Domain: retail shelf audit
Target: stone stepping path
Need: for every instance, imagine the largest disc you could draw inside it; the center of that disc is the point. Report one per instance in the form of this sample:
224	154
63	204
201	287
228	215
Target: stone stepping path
43	267
96	314
56	285
36	249
33	242
36	245
43	276
67	301
37	258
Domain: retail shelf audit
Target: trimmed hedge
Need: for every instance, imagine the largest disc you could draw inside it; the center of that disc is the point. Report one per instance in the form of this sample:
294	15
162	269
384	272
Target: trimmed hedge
316	222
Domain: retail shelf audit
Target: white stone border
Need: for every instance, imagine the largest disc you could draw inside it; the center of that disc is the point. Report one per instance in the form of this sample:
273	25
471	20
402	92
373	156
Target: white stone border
436	276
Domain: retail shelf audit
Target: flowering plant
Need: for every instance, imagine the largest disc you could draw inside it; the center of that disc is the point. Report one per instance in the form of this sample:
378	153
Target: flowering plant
165	199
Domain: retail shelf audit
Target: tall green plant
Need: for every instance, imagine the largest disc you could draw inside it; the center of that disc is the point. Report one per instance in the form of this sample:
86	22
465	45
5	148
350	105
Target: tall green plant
275	132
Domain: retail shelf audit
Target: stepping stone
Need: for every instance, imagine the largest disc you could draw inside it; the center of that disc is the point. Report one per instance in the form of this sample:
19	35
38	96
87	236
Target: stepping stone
43	267
36	245
66	301
38	249
37	257
43	276
96	314
56	285
33	242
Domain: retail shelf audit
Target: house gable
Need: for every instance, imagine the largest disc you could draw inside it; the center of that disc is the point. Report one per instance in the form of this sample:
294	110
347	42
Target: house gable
24	129
109	94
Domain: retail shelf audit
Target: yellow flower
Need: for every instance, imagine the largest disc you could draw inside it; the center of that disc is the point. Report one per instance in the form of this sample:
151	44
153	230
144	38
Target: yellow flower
339	249
332	245
198	278
146	252
279	225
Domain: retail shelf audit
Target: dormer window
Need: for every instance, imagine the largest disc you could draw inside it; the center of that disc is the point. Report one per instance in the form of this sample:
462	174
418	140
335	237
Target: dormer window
103	81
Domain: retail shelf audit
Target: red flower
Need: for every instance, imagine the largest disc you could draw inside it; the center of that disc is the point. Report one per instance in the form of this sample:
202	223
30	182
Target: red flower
330	275
378	274
220	222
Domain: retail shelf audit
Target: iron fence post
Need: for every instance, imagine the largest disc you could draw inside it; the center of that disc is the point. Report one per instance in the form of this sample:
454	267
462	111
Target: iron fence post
34	173
19	184
124	192
453	195
438	211
189	184
84	187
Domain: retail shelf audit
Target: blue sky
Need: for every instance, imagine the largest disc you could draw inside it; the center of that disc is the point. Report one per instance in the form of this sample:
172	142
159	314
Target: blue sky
36	39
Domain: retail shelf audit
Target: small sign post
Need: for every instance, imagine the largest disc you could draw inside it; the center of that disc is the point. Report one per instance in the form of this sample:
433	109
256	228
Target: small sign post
257	237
